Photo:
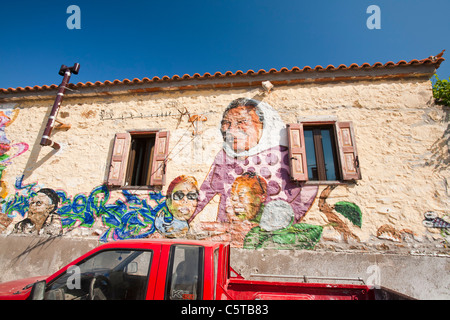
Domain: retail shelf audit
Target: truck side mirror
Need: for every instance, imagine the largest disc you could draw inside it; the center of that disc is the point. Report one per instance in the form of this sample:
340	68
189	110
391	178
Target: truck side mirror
132	267
37	291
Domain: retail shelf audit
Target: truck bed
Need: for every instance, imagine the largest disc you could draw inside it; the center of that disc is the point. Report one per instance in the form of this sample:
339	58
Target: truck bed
241	289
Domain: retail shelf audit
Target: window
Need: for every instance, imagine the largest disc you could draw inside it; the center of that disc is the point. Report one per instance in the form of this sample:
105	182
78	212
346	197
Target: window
323	151
139	159
185	273
109	275
321	154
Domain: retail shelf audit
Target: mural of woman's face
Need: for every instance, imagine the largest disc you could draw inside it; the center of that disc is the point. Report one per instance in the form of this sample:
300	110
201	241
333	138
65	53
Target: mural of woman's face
183	200
241	128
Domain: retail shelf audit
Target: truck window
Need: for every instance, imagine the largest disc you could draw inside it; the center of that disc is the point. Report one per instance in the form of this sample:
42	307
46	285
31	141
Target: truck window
185	273
108	275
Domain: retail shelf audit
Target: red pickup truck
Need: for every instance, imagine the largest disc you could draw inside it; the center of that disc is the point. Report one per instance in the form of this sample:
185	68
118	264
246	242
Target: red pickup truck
170	270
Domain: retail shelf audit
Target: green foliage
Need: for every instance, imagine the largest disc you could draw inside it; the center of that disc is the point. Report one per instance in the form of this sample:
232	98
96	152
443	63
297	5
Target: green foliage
297	236
441	90
351	211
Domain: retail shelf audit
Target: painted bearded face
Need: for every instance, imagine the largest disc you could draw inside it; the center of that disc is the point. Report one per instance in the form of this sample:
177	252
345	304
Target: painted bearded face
241	128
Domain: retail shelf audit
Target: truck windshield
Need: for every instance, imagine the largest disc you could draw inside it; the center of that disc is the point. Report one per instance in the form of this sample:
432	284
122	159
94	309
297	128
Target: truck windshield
107	275
185	273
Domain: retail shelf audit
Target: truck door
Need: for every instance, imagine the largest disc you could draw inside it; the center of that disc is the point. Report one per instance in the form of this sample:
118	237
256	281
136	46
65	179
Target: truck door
120	273
185	273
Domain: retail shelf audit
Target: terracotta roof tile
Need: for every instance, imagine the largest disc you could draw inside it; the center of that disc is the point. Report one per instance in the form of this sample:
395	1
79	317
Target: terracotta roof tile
430	60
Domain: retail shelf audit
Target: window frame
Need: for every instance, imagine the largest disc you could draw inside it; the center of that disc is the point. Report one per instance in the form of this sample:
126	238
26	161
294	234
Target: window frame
121	156
347	159
148	158
319	150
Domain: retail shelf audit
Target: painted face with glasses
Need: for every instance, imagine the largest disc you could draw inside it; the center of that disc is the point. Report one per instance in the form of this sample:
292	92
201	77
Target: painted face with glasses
182	197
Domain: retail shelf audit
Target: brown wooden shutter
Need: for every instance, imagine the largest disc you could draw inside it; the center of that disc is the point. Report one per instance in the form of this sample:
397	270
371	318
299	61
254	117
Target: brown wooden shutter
161	150
119	159
297	152
347	151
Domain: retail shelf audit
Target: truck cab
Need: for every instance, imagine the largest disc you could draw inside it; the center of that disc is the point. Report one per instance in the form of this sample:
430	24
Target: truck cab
136	270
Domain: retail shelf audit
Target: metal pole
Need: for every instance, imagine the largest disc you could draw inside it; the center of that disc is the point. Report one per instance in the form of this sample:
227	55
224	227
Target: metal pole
66	72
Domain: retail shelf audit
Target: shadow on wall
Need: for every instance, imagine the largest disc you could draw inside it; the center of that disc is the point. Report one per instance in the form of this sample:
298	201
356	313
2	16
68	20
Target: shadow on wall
440	158
34	160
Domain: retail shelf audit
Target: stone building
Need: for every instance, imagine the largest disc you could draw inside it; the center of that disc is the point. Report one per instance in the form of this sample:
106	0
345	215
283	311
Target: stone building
350	159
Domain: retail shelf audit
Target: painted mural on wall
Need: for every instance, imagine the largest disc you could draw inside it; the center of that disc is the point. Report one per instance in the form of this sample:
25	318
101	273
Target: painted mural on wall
52	212
442	224
8	150
251	176
254	141
259	205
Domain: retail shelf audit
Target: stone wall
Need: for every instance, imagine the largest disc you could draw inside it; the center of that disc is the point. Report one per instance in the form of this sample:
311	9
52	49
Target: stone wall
402	139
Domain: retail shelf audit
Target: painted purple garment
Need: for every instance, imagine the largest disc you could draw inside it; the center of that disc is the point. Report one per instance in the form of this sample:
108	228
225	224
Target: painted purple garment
271	164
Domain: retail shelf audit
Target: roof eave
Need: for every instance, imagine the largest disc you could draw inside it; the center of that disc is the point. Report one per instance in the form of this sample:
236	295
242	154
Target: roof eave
365	72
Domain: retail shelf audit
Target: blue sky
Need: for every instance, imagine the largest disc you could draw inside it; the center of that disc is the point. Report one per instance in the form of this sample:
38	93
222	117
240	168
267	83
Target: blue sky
137	39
